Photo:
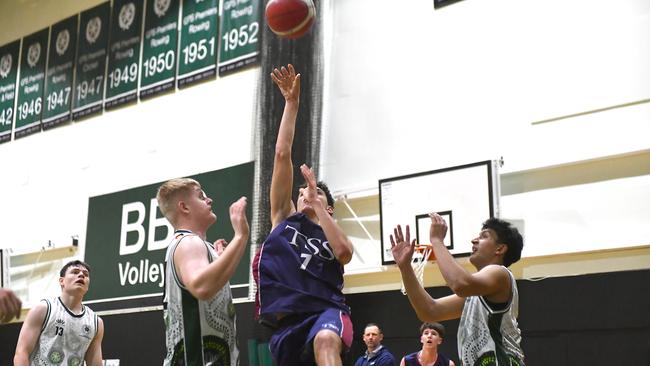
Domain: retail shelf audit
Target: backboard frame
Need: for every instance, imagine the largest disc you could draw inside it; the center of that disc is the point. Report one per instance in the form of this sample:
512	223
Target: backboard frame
487	171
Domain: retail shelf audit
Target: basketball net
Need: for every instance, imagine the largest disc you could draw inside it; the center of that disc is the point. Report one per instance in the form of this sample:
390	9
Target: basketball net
419	261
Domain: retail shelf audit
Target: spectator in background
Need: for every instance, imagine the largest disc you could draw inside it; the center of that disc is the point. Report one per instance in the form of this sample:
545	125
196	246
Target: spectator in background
376	354
431	335
62	330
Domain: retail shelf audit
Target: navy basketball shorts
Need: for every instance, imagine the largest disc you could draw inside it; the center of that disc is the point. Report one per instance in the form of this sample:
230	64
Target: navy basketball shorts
291	344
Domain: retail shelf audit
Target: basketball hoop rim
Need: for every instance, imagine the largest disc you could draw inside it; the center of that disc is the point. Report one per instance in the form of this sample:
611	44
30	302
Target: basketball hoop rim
423	247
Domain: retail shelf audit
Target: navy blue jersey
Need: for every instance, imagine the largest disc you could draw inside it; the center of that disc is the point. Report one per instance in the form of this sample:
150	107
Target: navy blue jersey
412	360
296	271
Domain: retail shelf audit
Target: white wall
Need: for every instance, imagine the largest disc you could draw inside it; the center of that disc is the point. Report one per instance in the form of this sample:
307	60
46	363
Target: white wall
450	84
413	89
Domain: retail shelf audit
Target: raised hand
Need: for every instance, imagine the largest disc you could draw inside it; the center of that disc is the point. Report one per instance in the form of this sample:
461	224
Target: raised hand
288	82
309	194
238	217
220	245
401	246
438	228
10	305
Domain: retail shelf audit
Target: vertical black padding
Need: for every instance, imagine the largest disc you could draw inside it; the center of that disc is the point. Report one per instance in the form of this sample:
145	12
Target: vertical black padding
306	55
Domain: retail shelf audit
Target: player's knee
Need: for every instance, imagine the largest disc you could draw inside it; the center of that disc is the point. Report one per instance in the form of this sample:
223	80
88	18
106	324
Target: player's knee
327	340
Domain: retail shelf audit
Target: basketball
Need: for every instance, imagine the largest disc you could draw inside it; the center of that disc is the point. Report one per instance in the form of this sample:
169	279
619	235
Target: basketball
290	18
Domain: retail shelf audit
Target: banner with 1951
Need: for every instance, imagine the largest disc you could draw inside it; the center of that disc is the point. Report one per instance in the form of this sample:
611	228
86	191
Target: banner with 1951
198	49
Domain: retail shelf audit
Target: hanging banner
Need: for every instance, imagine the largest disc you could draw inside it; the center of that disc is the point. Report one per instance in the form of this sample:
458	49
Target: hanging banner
60	67
239	35
124	53
91	61
8	75
198	49
30	86
158	69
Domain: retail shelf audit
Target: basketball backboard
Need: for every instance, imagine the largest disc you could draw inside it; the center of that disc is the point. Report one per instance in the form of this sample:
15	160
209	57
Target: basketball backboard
464	196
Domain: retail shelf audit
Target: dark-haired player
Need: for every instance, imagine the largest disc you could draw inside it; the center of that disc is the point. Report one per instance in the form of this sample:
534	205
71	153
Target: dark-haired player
486	301
299	268
62	331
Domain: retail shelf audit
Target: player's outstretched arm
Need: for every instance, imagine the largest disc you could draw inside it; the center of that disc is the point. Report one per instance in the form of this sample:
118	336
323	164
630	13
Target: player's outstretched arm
29	334
94	355
426	308
340	243
282	180
489	281
202	278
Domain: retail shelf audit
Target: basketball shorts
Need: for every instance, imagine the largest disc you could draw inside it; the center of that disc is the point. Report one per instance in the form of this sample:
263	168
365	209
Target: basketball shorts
291	344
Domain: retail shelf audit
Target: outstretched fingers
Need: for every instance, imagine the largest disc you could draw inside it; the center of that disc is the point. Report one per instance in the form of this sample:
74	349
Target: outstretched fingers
276	74
308	174
238	216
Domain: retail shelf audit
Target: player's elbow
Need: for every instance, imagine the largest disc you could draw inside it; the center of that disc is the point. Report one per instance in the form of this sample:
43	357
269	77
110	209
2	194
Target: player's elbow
461	288
201	292
344	254
282	151
426	316
345	258
20	358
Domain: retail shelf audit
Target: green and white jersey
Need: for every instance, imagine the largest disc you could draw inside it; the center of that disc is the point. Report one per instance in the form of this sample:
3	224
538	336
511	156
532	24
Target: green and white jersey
488	336
198	333
65	336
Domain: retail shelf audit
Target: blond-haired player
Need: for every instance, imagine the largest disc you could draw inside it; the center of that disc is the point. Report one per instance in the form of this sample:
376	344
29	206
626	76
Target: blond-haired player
198	309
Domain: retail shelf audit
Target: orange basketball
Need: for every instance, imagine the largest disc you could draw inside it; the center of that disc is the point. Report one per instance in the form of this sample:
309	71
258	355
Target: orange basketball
290	18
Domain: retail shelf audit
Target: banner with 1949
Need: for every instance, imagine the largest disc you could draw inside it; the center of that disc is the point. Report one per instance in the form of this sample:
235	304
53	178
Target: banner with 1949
124	53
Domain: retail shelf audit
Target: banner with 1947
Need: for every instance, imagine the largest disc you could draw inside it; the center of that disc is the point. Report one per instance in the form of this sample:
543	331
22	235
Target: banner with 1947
91	61
58	84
